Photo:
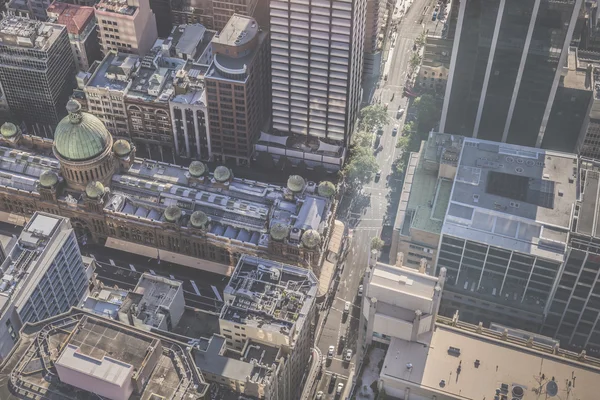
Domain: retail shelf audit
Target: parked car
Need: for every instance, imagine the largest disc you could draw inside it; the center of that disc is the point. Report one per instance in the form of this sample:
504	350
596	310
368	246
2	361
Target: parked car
330	352
400	113
378	176
348	355
434	16
332	382
347	307
360	290
320	395
340	387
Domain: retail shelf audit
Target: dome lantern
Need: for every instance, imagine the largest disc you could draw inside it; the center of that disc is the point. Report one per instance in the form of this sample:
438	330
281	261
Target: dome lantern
279	231
122	148
326	189
295	183
48	179
198	219
9	130
222	174
197	169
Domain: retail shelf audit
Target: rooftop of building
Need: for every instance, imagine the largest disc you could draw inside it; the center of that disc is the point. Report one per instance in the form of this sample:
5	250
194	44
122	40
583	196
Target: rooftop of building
28	33
152	295
238	31
124	7
18	271
56	340
587	221
74	17
269	295
255	362
105	301
449	360
575	72
300	143
437	52
114	72
153	79
189	85
514	197
189	41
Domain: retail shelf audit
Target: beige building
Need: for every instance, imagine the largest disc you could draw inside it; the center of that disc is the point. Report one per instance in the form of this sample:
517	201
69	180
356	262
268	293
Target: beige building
189	216
424	200
435	65
126	26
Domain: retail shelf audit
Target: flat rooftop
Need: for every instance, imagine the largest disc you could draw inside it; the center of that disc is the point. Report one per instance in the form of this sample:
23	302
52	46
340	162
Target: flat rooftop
588	218
117	6
114	72
27	33
514	197
461	363
269	294
238	31
95	337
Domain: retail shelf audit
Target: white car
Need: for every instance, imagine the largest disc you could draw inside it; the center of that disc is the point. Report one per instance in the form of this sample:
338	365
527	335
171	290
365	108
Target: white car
319	395
340	387
360	290
347	307
330	352
400	113
348	355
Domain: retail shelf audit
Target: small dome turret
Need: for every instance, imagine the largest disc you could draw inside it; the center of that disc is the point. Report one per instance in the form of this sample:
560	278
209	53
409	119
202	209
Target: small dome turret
9	130
296	183
279	231
198	219
122	148
222	174
172	214
94	190
311	239
326	189
48	179
197	169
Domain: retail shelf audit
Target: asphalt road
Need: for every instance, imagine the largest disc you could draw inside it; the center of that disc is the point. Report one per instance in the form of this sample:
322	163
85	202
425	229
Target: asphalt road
370	208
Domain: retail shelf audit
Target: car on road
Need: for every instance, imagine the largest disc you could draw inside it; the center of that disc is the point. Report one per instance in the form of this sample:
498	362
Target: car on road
380	130
320	395
330	352
378	176
400	113
348	355
347	307
395	130
332	382
434	16
360	290
340	387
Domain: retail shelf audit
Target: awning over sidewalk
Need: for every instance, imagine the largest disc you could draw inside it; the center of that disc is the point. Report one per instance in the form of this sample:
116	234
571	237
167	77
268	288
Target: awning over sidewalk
168	256
335	243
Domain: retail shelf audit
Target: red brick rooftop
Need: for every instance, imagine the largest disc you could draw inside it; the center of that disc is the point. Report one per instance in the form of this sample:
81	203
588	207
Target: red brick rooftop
74	17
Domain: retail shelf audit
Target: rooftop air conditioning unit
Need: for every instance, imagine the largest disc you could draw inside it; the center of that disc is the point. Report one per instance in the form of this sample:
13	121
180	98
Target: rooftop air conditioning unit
295	234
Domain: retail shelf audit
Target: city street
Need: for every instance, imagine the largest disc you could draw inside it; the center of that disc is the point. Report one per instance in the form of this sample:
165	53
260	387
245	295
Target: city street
371	209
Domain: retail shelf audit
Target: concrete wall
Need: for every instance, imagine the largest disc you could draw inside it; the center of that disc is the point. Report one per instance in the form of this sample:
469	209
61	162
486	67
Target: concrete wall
100	387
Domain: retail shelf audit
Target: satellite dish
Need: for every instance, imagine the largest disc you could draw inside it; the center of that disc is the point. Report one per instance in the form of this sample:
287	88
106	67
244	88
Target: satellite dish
551	388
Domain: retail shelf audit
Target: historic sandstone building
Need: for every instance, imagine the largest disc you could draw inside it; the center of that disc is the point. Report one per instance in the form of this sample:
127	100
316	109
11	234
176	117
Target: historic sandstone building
185	215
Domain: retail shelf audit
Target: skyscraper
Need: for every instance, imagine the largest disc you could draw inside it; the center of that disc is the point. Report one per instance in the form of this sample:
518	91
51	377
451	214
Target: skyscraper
36	70
505	68
317	60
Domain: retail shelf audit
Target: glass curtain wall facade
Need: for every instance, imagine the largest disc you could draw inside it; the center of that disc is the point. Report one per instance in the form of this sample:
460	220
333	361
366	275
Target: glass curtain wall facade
316	60
490	284
505	68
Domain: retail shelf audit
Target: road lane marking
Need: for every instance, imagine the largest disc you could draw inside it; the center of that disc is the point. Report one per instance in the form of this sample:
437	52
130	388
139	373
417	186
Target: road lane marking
216	293
152	272
112	262
132	268
171	276
195	287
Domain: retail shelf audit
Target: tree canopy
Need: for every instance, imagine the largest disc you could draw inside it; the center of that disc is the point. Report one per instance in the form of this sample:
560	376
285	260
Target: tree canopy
428	113
372	116
377	243
361	166
363	138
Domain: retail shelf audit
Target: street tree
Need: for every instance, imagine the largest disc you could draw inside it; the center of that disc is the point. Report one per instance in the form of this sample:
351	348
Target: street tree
408	128
372	116
403	143
421	39
360	168
363	138
428	113
377	243
415	61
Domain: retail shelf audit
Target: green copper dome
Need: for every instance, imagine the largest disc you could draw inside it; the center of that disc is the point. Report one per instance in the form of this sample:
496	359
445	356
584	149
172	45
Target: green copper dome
48	179
279	231
326	189
222	174
122	148
80	136
197	169
94	190
295	183
9	130
172	214
311	238
198	219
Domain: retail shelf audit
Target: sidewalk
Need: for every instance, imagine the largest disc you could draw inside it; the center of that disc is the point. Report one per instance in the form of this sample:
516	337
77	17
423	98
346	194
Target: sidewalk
317	358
